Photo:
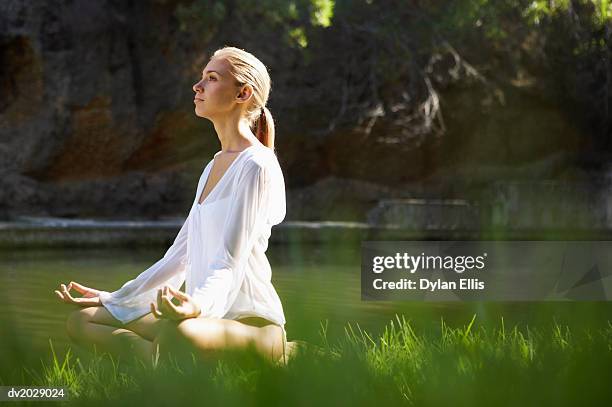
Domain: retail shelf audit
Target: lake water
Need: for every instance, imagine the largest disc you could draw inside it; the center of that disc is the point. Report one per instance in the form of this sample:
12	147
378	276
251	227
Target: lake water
316	283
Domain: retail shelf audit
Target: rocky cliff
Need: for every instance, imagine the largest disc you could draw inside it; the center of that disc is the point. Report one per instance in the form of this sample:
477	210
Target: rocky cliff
96	117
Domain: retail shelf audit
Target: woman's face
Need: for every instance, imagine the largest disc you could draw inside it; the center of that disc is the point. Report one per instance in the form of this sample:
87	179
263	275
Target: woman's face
216	94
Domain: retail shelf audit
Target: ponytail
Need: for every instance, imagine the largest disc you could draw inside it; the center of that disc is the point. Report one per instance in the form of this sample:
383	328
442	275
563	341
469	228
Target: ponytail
264	128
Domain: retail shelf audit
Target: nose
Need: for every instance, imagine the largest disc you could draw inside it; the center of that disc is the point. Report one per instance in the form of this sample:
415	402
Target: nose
198	87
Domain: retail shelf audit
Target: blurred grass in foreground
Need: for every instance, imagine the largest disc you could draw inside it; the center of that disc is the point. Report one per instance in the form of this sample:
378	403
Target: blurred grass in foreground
472	364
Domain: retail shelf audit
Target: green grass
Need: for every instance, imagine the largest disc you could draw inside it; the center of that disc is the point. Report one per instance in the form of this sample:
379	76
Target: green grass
471	364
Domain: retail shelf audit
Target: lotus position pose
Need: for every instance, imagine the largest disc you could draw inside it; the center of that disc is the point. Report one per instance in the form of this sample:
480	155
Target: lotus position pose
219	252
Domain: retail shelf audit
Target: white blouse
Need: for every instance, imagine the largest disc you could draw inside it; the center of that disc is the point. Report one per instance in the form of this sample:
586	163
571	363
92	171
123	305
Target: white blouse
219	251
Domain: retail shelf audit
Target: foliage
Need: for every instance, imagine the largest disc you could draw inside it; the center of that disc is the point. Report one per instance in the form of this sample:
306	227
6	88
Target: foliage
475	364
352	62
206	16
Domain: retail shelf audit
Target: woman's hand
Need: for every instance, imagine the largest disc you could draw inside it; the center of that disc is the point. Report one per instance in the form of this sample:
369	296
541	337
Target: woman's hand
165	308
90	296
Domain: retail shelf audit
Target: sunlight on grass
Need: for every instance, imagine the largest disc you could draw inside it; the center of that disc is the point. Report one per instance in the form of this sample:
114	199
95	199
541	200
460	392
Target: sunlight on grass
400	365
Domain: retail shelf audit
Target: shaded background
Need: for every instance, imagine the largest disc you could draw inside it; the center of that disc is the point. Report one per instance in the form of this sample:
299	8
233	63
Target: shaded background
499	109
399	120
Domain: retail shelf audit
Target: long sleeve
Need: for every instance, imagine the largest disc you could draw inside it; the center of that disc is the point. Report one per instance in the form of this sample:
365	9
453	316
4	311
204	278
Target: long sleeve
132	300
247	214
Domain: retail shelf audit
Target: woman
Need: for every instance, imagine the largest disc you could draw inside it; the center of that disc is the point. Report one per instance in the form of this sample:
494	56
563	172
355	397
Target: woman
219	252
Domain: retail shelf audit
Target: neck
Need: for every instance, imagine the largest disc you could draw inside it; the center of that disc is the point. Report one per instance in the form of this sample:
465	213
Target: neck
234	133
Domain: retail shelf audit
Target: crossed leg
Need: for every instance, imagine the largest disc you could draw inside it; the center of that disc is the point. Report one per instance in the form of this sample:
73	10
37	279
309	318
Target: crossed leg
95	327
148	336
206	338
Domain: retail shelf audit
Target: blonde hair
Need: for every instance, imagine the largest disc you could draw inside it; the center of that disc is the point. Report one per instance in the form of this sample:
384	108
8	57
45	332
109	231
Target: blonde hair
247	69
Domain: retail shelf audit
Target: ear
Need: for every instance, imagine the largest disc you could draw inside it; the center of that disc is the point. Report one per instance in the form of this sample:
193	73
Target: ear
245	94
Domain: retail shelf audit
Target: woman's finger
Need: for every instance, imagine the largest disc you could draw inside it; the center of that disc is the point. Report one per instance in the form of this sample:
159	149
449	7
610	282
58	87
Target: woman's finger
64	296
169	305
155	312
86	291
170	296
160	302
60	295
78	287
159	305
186	303
67	294
164	307
178	294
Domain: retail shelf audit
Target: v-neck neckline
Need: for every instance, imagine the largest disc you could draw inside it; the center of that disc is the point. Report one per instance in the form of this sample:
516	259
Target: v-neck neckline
229	167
